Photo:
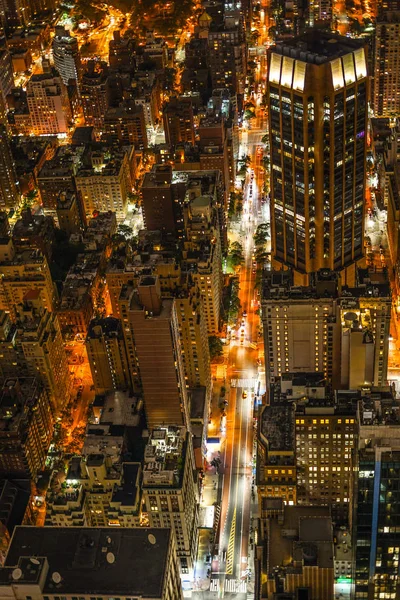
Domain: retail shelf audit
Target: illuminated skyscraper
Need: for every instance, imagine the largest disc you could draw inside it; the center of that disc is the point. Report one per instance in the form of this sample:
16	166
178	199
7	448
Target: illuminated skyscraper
386	90
9	195
66	56
317	90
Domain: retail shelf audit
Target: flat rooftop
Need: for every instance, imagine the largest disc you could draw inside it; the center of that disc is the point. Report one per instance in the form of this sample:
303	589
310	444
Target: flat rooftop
98	561
278	426
305	534
317	47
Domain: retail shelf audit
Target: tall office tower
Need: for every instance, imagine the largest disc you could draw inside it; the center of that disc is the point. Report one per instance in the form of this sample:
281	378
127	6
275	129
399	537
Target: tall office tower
108	562
162	210
150	322
38	339
169	491
94	93
318	92
9	193
376	497
107	355
386	82
48	103
22	272
67	59
178	121
342	331
26	429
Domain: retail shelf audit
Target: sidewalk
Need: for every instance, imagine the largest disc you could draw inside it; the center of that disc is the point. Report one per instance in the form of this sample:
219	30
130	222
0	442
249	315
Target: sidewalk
211	490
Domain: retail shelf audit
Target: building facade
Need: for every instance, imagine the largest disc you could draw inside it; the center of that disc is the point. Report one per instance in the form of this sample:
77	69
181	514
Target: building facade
66	56
107	355
318	91
170	498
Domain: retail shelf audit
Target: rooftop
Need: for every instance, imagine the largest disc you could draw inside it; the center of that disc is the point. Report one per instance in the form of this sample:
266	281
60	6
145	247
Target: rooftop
303	538
164	457
379	407
127	492
83	560
317	46
278	285
277	425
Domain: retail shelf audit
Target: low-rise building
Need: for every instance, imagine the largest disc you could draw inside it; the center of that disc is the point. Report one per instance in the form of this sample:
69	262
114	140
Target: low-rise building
106	562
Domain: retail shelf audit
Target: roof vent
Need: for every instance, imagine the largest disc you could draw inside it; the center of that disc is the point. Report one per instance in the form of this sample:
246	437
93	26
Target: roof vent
16	574
56	577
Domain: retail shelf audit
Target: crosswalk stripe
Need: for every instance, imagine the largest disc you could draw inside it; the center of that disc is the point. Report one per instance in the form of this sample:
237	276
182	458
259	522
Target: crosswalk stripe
244	383
235	586
214	585
232	586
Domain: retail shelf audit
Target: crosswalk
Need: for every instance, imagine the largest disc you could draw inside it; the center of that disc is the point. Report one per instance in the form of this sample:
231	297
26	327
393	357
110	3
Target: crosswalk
233	586
244	383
